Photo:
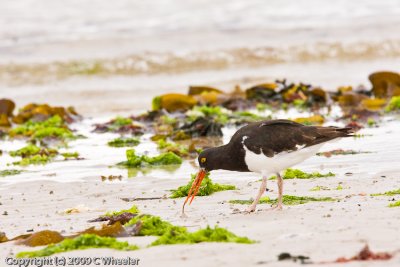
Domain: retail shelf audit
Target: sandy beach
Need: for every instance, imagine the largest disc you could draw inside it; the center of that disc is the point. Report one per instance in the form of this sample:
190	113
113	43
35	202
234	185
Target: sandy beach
36	200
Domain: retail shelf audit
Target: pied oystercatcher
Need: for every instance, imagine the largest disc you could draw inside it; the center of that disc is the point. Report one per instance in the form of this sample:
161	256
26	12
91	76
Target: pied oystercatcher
265	147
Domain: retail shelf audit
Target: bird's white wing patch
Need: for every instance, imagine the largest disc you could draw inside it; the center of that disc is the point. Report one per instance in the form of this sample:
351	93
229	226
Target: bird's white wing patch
262	164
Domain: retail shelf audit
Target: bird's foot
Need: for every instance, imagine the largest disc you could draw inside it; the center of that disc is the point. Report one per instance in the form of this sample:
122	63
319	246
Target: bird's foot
183	216
277	207
250	209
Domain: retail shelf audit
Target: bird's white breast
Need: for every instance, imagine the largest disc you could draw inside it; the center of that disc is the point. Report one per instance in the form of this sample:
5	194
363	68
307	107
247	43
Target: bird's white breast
270	165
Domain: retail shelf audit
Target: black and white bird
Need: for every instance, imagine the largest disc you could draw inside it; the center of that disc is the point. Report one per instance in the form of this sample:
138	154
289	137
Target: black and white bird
267	148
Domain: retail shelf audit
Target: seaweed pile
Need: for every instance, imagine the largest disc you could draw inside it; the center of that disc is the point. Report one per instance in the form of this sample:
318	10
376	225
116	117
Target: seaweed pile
129	222
44	128
185	124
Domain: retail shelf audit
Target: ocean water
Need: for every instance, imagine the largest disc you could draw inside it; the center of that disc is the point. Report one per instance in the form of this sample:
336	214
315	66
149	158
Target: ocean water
278	22
153	47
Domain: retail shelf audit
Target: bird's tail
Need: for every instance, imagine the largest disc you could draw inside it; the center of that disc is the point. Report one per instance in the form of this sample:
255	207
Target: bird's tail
346	131
329	133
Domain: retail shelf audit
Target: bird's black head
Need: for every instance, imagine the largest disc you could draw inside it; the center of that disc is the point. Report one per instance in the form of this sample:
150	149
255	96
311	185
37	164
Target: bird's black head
209	159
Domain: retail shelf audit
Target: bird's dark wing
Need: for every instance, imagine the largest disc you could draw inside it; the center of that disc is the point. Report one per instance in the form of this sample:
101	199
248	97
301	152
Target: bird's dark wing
276	136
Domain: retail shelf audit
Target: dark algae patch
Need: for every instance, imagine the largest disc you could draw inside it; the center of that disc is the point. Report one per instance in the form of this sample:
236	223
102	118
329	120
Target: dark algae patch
136	161
124	142
299	174
10	172
81	242
207	187
287	200
122	216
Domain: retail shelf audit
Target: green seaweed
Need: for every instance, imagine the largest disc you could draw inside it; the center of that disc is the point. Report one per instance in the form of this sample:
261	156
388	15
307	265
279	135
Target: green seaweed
134	209
121	121
32	154
394	104
156	103
371	122
81	242
124	142
339	187
248	115
69	155
299	174
26	151
176	148
4	173
53	132
286	199
34	160
388	193
207	187
163	159
152	225
319	188
299	104
219	114
171	234
53	127
164	119
216	234
393	205
262	107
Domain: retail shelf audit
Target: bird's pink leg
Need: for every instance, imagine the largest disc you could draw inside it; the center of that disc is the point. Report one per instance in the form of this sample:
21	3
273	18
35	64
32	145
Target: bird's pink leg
261	191
280	191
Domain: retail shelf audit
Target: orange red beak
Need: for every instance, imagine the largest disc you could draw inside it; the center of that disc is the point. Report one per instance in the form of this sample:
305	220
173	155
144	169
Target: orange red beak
194	189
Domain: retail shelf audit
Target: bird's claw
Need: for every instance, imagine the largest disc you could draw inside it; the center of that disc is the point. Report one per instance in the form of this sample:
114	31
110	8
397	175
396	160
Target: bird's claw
250	210
277	207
